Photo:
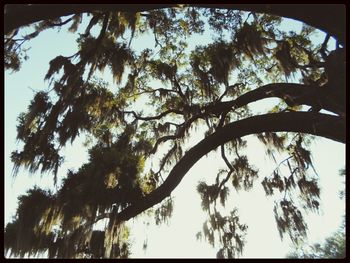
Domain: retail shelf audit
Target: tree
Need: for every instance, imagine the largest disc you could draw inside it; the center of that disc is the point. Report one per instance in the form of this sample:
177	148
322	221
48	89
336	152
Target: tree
333	247
210	86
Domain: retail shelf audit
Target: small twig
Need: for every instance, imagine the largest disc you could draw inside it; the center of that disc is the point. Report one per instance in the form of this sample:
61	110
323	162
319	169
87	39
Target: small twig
285	160
165	159
222	119
225	158
226	90
151	91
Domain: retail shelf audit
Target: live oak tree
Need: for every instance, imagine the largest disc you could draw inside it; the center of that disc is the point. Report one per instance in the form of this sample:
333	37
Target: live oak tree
210	86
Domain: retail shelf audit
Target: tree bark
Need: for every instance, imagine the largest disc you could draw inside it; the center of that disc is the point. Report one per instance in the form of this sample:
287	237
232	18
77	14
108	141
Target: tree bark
327	17
291	93
328	126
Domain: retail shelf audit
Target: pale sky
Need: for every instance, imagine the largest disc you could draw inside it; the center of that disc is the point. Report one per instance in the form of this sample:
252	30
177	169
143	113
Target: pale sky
178	238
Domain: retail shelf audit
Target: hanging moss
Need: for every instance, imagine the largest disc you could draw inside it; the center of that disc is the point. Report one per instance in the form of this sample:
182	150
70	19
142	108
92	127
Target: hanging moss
250	40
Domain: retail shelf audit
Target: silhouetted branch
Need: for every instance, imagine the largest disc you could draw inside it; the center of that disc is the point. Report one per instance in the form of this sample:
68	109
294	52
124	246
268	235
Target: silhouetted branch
324	47
328	126
179	133
291	93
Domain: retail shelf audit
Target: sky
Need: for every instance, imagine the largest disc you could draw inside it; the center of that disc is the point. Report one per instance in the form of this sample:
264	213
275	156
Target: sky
254	208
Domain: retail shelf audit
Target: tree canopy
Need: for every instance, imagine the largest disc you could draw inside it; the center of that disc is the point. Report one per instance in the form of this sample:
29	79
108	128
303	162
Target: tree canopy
161	95
333	247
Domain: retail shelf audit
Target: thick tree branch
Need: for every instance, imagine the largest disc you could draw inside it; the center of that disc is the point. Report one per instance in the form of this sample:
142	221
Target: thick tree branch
329	18
291	93
328	126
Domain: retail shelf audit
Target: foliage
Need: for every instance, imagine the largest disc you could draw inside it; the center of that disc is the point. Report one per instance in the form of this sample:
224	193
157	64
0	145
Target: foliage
179	88
333	246
63	223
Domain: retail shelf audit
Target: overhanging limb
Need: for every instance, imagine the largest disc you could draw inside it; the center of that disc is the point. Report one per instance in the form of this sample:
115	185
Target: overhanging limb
324	125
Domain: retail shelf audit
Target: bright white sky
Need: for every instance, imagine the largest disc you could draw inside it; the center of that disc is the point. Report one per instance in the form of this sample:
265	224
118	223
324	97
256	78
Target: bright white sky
177	239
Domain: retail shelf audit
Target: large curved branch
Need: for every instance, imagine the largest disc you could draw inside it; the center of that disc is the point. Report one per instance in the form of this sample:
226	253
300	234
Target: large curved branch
328	126
330	18
291	93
